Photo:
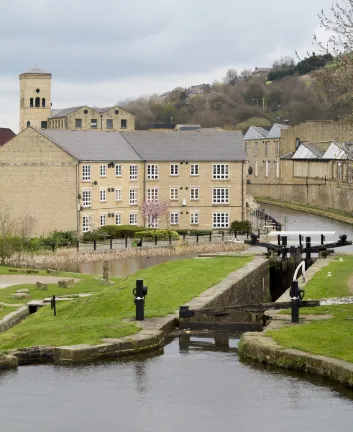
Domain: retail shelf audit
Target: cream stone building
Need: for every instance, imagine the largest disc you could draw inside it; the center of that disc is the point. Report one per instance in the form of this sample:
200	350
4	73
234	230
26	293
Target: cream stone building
36	109
81	180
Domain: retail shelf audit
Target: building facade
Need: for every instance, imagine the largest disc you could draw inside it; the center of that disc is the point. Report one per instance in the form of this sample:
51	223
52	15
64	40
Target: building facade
36	109
76	180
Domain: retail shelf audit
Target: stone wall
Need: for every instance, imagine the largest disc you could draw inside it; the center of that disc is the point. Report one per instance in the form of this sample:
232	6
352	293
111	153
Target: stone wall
14	318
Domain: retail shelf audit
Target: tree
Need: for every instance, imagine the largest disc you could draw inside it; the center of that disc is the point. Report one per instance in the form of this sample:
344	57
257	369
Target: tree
284	63
231	77
153	210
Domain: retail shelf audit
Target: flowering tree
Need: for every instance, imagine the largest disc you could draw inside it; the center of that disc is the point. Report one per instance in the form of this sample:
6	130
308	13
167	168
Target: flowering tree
251	204
153	210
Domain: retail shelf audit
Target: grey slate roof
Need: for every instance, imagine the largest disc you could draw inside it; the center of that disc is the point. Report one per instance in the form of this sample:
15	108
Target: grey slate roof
64	112
93	145
187	146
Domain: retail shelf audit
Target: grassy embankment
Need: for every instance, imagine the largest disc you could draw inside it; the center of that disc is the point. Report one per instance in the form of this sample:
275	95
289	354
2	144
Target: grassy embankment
330	213
89	320
331	337
5	310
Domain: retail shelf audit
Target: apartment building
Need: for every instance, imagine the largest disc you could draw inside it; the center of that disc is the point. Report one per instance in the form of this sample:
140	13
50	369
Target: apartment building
81	180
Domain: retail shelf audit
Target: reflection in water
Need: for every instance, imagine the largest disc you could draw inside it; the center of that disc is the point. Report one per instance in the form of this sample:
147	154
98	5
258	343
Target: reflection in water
200	387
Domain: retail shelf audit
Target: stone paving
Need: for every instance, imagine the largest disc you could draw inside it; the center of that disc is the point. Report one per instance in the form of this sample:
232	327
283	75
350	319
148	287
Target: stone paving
10	280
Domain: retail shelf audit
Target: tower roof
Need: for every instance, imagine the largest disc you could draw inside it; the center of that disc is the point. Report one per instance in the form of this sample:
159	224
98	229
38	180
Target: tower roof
35	70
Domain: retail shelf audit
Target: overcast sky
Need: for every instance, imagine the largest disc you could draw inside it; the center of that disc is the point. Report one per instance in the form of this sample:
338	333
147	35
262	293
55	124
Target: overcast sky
101	52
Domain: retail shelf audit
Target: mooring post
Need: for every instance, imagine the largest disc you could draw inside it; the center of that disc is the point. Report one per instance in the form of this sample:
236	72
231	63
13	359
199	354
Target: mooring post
155	240
197	237
139	293
307	248
94	244
111	244
126	241
106	271
184	236
210	237
222	235
78	245
294	294
53	304
53	247
170	239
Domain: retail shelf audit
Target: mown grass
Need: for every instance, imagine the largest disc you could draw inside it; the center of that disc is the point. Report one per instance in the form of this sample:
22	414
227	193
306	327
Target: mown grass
329	337
88	320
4	270
5	310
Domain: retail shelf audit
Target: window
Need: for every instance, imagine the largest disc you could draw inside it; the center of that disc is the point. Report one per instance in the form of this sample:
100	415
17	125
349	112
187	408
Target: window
117	194
133	196
31	102
256	169
86	172
78	123
266	148
174	169
94	123
118	170
28	123
116	112
133	218
37	102
118	218
174	218
43	102
194	193
86	198
37	91
109	124
256	149
194	218
133	172
44	125
152	195
220	172
277	169
339	171
266	169
123	124
102	195
152	172
103	219
86	223
194	170
350	173
220	196
277	148
85	111
103	170
152	222
174	193
220	220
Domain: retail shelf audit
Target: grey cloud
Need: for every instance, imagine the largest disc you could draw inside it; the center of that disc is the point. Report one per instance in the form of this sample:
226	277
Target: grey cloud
115	39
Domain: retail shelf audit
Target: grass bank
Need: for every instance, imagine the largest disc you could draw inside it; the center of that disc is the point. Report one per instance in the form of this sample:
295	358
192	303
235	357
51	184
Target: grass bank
103	315
329	213
5	310
329	337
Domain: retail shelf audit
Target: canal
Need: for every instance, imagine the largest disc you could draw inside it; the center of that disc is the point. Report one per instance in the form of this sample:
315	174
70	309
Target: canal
185	387
195	388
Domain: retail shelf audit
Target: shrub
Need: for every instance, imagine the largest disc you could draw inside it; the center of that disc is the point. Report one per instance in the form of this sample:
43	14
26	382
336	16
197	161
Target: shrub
240	226
161	234
61	238
193	232
120	231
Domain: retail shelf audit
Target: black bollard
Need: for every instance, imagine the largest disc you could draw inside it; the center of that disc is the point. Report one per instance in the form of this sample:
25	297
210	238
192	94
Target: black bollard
94	244
139	293
307	247
222	235
53	247
155	240
53	304
210	237
170	239
300	240
111	244
197	237
78	245
279	240
126	242
294	294
184	235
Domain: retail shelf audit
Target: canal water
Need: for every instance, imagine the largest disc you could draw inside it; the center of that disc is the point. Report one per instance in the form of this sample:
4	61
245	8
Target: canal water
188	388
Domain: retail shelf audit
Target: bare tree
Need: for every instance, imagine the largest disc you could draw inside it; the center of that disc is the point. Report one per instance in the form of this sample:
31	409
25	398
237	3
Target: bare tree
231	77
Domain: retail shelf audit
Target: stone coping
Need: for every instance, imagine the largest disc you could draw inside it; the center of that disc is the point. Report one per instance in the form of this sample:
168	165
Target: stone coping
260	347
151	336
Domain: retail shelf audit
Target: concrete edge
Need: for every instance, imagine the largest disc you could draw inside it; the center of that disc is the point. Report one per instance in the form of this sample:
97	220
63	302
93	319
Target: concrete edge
264	349
14	318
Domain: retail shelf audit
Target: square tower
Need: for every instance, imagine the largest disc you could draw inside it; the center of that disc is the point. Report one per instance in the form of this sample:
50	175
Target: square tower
35	98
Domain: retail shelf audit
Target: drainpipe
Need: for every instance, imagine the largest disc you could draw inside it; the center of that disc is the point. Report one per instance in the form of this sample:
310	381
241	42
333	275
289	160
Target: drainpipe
101	121
242	190
77	200
144	187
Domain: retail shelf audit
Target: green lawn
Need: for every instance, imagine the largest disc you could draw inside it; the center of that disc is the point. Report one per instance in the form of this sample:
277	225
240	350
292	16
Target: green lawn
332	337
5	310
170	285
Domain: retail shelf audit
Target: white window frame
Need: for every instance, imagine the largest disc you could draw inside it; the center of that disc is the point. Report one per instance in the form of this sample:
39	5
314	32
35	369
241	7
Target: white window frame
174	170
118	194
220	196
194	170
152	223
277	169
220	220
133	172
174	218
174	193
102	194
86	223
118	218
153	194
118	170
194	193
133	193
220	172
103	218
94	123
86	198
194	218
86	172
152	172
133	218
103	170
266	168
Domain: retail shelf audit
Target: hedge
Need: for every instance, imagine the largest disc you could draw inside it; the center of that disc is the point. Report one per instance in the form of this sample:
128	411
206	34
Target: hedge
193	232
112	231
240	226
161	234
